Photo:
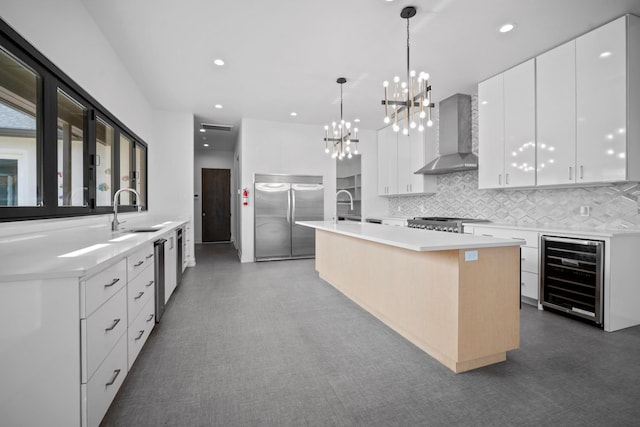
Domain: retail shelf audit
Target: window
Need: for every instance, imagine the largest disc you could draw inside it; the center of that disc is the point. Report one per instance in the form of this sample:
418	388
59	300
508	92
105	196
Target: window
71	125
19	124
61	153
105	152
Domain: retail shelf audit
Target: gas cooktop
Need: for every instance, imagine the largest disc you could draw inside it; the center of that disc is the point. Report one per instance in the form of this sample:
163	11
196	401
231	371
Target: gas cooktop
441	223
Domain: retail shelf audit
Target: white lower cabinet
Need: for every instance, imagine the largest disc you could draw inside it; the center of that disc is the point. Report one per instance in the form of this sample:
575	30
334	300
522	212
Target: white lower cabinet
99	392
139	330
529	257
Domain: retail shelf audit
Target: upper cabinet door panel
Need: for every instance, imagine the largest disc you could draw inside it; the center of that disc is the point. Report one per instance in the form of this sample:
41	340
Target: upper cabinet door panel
491	132
556	115
404	162
601	103
519	125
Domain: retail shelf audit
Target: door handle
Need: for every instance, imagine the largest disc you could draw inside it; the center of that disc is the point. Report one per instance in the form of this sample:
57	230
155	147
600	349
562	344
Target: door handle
289	206
293	206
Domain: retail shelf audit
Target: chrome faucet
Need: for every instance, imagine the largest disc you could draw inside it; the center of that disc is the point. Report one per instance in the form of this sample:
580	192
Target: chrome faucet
115	223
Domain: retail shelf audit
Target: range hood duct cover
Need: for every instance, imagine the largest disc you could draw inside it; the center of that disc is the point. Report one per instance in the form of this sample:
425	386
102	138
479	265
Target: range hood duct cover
215	126
455	138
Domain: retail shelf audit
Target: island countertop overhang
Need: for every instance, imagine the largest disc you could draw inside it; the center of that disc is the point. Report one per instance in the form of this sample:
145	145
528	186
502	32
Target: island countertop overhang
409	238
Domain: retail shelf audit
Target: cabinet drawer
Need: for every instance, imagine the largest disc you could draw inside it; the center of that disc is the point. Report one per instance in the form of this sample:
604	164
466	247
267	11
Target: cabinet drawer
99	288
101	331
529	285
138	261
140	329
99	392
530	237
529	259
139	290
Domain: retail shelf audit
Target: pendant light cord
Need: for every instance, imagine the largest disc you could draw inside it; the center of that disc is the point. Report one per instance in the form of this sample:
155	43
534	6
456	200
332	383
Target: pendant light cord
408	64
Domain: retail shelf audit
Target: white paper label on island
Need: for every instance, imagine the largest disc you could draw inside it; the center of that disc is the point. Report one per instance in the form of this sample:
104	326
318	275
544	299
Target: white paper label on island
470	255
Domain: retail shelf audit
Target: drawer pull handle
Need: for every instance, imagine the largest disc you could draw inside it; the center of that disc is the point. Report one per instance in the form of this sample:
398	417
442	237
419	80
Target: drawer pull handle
139	295
115	323
113	282
138	264
113	378
150	283
150	318
488	235
149	256
140	334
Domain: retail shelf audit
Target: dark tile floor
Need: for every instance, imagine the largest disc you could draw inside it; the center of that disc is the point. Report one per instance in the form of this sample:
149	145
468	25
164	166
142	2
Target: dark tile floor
270	344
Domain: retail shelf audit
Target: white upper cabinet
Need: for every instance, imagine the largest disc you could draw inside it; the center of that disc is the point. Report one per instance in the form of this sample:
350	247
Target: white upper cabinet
387	161
601	93
520	125
491	132
399	156
506	104
556	115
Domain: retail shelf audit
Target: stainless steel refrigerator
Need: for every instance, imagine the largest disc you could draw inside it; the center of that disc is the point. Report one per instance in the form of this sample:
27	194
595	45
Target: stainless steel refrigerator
280	201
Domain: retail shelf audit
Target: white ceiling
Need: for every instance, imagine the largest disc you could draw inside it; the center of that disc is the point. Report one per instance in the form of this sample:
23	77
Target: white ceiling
285	55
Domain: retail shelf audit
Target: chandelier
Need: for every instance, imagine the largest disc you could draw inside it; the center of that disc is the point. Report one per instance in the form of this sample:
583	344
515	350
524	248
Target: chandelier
412	97
340	138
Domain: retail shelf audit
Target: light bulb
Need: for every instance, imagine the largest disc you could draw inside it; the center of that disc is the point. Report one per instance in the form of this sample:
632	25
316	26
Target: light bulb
385	83
348	124
387	120
425	76
348	142
326	127
412	125
412	73
342	121
429	123
347	149
326	150
396	79
403	85
423	114
420	128
355	130
355	151
349	156
405	131
396	128
333	124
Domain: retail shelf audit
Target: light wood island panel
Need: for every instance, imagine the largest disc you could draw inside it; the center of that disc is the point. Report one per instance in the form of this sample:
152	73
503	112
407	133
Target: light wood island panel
463	313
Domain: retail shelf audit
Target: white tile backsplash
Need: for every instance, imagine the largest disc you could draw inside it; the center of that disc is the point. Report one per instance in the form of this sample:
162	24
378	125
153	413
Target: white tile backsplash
611	207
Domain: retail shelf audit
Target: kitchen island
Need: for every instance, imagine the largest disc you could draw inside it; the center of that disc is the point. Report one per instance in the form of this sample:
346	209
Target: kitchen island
455	296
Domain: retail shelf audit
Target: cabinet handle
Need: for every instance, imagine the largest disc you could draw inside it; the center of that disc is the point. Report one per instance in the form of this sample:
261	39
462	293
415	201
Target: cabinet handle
149	256
506	179
113	282
570	173
521	283
113	378
138	264
523	259
499	179
115	323
140	334
150	318
488	235
139	295
149	284
518	238
581	172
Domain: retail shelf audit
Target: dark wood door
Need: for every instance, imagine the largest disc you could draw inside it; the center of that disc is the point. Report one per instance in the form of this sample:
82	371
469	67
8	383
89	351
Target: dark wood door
216	205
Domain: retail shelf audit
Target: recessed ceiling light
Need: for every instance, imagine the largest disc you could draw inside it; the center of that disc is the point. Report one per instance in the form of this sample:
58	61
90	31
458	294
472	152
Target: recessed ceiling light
205	145
357	120
605	54
202	130
293	114
219	62
218	106
507	27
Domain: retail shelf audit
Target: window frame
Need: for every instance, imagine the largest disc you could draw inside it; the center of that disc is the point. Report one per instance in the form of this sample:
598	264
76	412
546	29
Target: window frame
52	78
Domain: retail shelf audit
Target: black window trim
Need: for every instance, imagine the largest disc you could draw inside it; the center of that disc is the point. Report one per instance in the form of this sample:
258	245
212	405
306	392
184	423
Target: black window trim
52	77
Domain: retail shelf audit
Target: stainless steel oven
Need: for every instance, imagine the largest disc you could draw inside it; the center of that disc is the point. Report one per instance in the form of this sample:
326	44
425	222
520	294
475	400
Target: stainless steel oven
572	273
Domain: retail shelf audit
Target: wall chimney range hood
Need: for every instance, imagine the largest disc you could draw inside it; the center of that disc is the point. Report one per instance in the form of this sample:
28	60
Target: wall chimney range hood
455	138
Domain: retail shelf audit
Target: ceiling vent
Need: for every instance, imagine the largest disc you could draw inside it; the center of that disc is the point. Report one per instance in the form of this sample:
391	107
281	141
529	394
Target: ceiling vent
213	126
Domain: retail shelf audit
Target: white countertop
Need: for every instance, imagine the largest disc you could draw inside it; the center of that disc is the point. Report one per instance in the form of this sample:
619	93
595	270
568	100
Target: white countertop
409	238
38	255
559	230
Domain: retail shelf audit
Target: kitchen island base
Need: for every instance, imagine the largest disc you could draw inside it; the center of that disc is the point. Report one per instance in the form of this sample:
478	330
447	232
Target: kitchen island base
464	313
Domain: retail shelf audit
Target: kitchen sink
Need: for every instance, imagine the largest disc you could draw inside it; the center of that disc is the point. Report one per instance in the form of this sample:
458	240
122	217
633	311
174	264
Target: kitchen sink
142	230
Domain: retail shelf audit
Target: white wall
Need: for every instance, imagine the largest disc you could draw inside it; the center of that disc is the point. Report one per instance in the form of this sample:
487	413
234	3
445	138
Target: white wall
282	148
65	33
211	159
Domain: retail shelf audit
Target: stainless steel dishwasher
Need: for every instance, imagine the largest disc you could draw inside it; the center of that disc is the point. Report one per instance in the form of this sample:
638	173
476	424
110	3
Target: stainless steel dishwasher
158	252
